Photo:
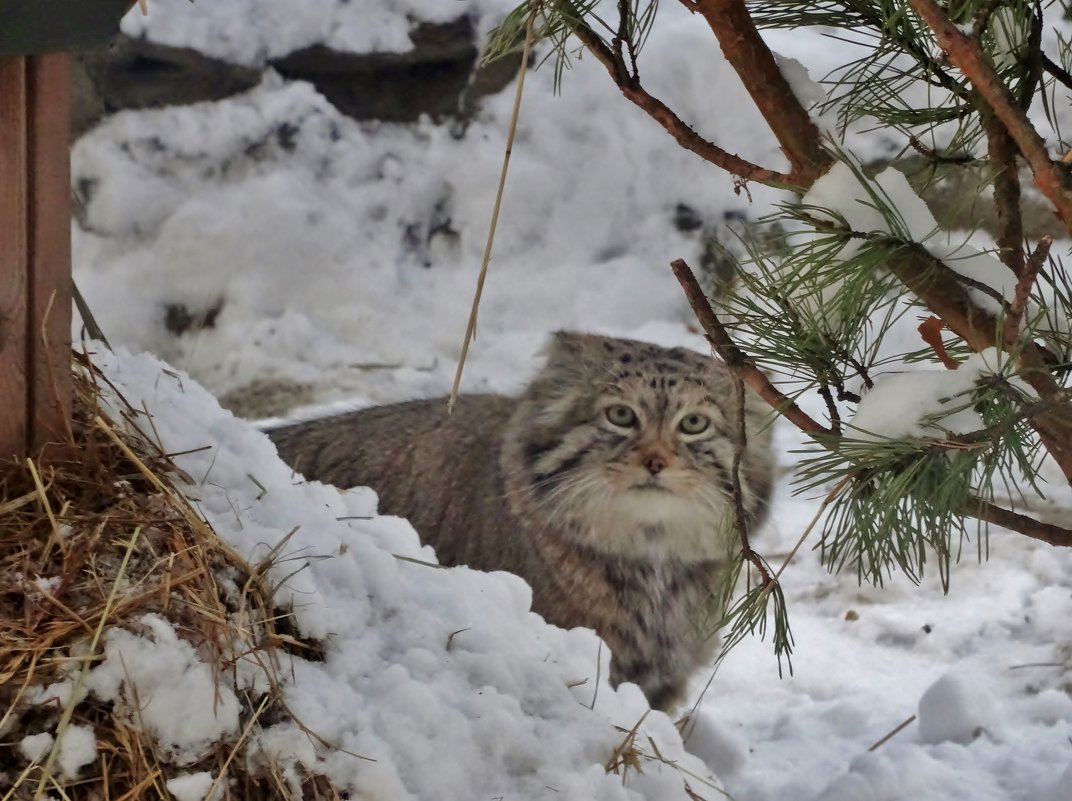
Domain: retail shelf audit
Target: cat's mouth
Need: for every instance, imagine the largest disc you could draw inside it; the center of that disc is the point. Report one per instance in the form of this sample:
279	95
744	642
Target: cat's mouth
651	484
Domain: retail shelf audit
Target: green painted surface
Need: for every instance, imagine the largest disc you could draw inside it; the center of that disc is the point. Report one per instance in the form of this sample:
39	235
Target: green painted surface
39	26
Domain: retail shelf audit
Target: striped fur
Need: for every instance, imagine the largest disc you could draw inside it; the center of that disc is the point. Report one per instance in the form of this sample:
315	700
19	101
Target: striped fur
621	528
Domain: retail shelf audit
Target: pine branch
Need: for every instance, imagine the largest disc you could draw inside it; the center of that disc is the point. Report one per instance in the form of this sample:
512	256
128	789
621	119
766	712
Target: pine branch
754	63
1002	152
1056	70
977	67
629	85
1024	285
734	357
925	274
1022	524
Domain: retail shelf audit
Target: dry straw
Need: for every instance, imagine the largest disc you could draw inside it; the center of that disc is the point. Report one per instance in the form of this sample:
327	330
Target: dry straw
94	535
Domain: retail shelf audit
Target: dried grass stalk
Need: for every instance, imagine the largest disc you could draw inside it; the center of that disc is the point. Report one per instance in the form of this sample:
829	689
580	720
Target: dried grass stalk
94	536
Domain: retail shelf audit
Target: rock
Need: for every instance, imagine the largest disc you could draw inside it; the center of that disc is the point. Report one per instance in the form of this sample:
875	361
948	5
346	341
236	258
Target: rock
138	73
439	77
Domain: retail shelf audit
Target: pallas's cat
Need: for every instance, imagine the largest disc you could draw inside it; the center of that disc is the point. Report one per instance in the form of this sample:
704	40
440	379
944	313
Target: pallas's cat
606	485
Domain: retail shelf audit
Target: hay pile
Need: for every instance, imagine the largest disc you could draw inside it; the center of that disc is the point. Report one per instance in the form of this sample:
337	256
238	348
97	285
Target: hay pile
96	541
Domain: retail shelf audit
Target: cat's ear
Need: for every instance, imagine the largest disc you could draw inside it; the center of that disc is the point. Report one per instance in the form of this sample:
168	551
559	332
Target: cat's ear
574	352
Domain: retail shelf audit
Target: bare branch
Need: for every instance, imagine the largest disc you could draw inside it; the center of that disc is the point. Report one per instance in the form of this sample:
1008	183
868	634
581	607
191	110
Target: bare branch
933	155
734	357
685	136
1024	286
1022	524
1002	151
754	63
740	516
1056	70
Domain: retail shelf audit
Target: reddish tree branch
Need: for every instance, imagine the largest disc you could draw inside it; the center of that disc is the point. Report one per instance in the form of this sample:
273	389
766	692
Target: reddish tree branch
1024	284
630	87
734	357
974	63
754	63
1002	152
1022	524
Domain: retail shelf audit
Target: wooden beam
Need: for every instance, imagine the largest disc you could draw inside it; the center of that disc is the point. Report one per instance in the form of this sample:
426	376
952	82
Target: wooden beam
49	248
14	399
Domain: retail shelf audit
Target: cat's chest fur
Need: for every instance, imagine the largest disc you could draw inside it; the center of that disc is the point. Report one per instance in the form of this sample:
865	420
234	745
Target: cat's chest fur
606	486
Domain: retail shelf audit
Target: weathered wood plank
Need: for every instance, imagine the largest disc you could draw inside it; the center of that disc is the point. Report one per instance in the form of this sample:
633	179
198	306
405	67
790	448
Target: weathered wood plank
49	247
14	397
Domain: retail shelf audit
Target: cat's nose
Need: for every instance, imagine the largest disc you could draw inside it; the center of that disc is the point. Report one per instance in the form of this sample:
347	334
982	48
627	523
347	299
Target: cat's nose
655	463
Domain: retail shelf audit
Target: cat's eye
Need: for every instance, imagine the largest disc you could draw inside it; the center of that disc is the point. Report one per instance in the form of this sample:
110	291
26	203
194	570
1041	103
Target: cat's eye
621	415
694	423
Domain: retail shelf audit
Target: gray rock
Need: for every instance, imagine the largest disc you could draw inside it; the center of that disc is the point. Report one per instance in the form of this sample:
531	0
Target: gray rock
440	77
138	73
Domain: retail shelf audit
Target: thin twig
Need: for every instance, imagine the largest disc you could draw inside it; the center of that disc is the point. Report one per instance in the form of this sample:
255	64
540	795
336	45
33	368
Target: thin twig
831	407
940	158
982	18
829	499
900	727
734	357
1056	70
54	535
740	519
470	330
1024	285
238	745
685	136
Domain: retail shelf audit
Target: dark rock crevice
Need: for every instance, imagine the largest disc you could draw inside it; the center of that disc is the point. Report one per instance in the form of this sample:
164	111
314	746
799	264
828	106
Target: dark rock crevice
440	76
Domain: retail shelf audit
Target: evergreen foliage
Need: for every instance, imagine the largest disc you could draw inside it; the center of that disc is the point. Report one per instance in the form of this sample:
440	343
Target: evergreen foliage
824	307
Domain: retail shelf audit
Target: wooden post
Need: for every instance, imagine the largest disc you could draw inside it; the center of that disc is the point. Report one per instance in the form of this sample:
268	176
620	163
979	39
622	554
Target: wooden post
35	253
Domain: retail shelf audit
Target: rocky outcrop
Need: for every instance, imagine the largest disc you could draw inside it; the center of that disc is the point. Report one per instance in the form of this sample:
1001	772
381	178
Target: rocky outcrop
440	76
138	73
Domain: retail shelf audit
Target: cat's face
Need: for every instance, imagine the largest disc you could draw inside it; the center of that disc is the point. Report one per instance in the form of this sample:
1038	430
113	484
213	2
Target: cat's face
629	447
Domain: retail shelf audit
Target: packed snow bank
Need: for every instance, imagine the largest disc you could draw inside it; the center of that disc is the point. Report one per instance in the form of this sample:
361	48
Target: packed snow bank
436	683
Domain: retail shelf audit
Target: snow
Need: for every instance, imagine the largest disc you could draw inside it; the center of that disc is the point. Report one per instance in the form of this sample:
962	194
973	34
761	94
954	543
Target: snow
930	403
918	404
34	747
953	711
166	689
345	256
252	32
78	748
887	204
190	786
510	694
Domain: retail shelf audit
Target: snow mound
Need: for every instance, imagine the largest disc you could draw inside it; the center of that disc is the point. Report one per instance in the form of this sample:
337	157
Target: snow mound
952	711
437	684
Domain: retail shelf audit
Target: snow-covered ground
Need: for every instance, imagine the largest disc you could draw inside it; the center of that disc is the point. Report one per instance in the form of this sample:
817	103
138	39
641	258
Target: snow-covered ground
342	259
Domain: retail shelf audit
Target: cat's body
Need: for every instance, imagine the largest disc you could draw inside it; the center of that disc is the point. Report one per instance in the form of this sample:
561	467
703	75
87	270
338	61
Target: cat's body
587	486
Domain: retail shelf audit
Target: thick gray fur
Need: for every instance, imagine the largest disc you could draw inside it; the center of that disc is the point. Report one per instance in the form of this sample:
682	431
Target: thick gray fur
623	529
